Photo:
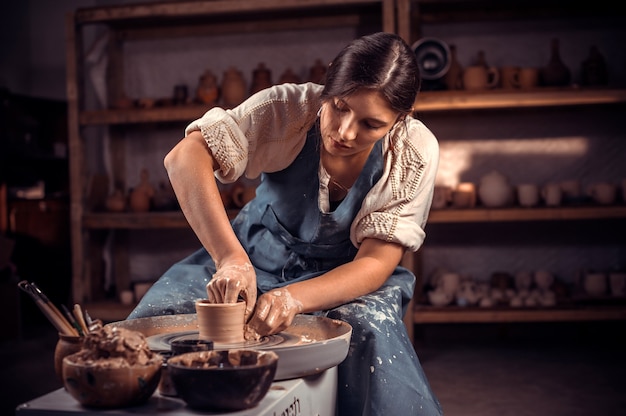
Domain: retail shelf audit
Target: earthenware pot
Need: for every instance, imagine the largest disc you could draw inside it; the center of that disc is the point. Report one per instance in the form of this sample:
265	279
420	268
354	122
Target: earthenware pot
233	87
66	345
494	190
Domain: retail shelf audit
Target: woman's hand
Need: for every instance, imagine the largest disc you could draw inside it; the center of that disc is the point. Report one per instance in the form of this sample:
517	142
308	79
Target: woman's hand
274	312
232	280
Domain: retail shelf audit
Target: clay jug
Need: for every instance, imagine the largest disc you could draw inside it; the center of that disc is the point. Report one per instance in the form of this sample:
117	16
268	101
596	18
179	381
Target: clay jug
233	87
261	78
116	202
141	196
317	73
207	91
594	71
454	77
289	77
480	75
494	190
555	73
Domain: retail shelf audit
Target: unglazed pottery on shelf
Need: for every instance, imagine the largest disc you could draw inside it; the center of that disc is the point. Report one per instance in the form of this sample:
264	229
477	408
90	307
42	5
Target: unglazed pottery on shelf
221	322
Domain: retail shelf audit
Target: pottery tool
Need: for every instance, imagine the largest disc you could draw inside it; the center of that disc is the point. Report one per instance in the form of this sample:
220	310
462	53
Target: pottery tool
47	308
78	314
72	320
68	326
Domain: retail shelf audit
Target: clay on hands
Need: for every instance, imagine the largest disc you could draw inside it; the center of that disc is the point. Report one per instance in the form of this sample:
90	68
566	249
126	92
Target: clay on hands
231	281
275	310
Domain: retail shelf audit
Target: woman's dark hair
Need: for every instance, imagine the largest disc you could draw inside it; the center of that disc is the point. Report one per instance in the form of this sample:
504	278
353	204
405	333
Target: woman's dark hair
381	61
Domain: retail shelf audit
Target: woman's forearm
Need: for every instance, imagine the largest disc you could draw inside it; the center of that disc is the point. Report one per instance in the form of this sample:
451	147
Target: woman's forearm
372	266
190	167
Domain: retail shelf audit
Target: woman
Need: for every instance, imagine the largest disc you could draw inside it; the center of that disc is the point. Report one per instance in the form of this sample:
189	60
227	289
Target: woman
346	185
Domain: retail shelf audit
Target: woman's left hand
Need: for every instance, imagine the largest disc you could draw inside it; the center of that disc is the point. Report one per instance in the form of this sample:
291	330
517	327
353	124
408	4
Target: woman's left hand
274	312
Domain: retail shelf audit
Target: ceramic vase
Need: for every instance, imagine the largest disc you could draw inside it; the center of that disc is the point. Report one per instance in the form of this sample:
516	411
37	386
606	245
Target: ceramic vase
141	196
454	77
233	87
555	73
289	77
207	91
317	73
494	190
261	78
594	70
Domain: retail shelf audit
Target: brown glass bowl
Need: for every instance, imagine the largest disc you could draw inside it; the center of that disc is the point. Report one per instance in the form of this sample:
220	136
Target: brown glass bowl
101	386
223	380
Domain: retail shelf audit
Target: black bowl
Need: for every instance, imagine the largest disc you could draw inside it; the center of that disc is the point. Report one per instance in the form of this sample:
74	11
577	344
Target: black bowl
223	380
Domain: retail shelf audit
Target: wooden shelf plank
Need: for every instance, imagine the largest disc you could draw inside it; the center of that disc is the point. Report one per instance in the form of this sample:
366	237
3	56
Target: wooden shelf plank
501	99
426	102
187	9
139	220
452	314
185	114
526	214
175	219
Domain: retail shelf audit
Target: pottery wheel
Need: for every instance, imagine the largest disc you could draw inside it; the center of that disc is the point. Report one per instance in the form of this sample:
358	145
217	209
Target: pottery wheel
310	345
163	342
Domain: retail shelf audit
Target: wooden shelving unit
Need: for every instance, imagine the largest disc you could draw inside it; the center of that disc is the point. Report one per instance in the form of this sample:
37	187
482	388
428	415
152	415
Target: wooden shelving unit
152	21
418	12
191	18
461	315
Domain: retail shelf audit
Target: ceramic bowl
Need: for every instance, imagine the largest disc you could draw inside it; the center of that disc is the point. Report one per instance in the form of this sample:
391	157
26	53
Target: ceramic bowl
223	379
103	386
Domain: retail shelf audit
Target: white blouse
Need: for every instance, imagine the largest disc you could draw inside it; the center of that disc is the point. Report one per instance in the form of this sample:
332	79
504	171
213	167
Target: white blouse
268	131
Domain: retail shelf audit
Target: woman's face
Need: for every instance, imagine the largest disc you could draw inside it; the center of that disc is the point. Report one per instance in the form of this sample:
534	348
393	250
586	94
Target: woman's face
352	124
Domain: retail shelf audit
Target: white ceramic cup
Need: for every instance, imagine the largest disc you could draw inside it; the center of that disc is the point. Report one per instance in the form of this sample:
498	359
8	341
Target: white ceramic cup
544	279
450	282
528	194
464	196
571	189
523	280
552	194
528	77
480	78
603	193
595	283
442	195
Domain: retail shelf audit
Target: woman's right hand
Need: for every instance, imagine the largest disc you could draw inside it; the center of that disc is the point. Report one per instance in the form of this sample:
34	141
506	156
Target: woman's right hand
231	281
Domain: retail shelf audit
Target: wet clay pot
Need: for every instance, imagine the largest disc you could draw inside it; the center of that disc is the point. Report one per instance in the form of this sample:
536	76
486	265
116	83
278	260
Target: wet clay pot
221	322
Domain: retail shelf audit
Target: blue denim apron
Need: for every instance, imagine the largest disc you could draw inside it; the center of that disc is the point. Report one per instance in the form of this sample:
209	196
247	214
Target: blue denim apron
294	241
